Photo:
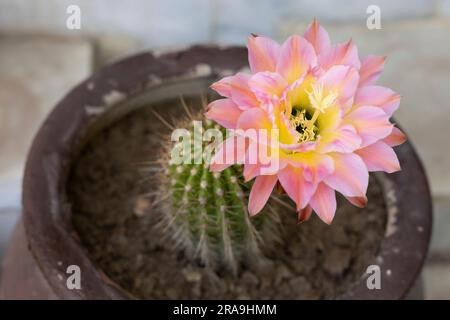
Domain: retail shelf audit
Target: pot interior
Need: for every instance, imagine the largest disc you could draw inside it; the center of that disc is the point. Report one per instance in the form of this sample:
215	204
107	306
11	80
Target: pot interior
110	190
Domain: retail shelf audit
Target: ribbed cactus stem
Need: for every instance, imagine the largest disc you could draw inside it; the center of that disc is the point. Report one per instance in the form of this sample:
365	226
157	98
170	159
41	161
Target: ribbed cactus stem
207	213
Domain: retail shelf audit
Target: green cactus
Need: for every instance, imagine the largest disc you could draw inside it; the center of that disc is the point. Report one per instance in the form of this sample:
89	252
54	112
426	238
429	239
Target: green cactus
206	213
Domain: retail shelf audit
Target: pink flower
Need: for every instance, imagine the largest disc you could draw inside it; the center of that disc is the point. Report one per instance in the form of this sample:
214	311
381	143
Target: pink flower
333	121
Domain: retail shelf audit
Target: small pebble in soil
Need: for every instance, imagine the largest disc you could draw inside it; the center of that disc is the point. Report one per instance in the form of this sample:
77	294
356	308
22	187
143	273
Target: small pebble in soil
141	206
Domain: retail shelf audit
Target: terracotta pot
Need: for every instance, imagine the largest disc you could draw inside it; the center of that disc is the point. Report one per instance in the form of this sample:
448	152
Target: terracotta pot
44	243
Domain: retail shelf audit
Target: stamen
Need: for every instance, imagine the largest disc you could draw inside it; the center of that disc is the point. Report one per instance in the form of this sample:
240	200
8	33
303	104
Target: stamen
303	126
318	101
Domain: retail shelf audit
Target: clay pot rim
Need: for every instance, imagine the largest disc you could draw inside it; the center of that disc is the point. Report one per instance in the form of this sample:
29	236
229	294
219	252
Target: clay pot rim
47	212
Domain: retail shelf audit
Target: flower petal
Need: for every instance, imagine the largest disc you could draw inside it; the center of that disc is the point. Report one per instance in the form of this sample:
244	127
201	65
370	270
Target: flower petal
225	112
344	139
343	80
304	214
324	203
318	37
223	86
261	190
301	147
371	123
379	157
231	151
378	96
315	166
396	138
350	176
241	93
296	57
262	54
254	118
359	202
251	171
371	68
340	54
296	186
268	87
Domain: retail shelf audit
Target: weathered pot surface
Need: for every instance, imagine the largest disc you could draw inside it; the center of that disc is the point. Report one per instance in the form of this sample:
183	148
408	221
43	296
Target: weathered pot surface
44	243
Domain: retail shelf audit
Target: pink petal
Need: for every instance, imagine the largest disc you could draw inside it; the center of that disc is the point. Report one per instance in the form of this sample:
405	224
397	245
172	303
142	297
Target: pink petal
241	93
359	202
251	171
224	111
296	186
254	118
324	203
300	147
343	80
304	214
257	163
378	96
231	151
267	86
262	54
223	86
340	54
379	157
315	166
371	123
296	57
371	68
261	190
344	139
396	138
261	158
318	37
350	176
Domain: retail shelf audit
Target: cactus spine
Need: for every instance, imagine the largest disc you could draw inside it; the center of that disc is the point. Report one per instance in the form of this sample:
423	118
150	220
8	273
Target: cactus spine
206	213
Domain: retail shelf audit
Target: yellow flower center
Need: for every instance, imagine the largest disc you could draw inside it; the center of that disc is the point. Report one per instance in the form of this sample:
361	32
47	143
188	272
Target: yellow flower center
303	121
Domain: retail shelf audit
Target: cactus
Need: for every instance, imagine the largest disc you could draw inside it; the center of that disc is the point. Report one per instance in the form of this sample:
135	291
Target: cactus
206	213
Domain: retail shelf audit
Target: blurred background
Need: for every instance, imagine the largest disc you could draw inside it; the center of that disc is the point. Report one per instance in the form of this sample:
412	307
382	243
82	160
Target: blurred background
41	58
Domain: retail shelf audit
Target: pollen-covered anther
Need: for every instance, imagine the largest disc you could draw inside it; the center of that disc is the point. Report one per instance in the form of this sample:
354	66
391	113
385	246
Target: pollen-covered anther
187	187
219	192
193	171
233	179
306	131
203	184
179	169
